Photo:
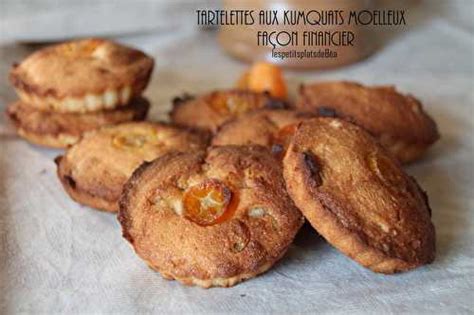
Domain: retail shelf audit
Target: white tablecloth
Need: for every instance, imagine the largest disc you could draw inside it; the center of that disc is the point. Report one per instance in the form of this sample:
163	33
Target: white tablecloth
59	257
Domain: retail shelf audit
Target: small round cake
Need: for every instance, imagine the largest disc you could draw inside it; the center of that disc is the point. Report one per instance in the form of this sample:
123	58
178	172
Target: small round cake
94	170
82	76
210	218
356	195
60	130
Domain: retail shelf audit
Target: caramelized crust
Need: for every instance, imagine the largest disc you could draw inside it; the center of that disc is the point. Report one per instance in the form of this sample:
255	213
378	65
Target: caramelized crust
94	170
60	130
211	110
256	232
82	76
397	120
356	195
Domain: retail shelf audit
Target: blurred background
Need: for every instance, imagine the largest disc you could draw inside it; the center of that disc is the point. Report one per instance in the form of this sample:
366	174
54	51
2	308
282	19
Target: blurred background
33	21
49	20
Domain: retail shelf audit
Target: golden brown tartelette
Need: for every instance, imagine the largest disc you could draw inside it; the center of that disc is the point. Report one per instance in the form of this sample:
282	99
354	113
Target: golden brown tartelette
60	130
213	218
82	76
356	195
94	170
397	120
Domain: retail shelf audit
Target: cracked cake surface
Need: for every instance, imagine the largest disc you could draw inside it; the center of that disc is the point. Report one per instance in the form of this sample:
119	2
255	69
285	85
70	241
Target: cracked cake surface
357	196
210	218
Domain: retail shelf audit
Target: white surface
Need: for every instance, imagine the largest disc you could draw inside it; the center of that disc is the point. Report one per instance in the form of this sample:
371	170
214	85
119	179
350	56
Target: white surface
59	257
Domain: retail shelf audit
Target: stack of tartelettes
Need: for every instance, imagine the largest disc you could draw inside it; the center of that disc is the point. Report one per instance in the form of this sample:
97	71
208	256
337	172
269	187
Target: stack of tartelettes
217	195
78	86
